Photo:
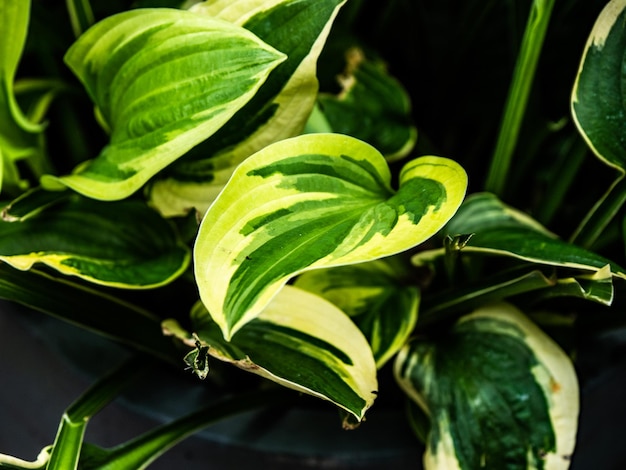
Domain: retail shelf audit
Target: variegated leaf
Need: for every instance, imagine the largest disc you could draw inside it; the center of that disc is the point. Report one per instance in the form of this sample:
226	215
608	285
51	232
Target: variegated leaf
313	201
502	230
279	110
598	95
163	80
90	239
376	295
372	106
499	393
598	109
302	342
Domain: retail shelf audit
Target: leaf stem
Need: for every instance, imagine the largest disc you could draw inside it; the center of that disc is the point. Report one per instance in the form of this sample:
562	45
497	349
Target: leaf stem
138	453
519	91
81	15
567	170
601	215
68	443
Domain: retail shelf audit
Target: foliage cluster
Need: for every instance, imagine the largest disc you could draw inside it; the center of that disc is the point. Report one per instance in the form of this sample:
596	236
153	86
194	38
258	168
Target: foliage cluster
260	184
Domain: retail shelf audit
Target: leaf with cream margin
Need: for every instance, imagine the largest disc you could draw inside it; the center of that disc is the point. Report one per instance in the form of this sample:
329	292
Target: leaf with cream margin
91	240
313	201
163	80
599	112
499	393
376	295
371	106
598	94
501	230
300	341
278	111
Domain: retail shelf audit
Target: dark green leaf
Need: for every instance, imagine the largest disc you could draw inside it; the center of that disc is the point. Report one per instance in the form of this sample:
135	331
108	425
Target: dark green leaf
499	392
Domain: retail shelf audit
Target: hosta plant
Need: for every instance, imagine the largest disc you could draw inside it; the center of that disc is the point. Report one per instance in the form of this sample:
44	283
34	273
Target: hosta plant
191	181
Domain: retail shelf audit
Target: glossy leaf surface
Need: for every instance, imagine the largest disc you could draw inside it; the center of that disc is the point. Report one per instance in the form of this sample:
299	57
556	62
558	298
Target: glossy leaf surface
303	342
499	392
163	80
598	96
313	201
90	239
279	110
501	230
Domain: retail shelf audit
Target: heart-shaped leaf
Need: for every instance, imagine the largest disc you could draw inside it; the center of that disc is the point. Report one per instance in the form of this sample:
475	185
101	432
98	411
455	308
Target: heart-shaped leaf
499	393
313	201
163	80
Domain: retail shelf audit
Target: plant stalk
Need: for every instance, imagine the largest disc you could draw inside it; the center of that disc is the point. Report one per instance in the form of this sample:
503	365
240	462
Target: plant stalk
601	215
140	452
68	442
515	108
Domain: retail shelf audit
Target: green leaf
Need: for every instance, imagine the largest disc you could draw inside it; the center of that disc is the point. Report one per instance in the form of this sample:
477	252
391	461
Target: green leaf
531	286
499	392
163	81
66	450
598	109
597	287
501	230
303	342
314	201
279	110
372	106
141	451
376	296
90	239
18	135
598	94
459	298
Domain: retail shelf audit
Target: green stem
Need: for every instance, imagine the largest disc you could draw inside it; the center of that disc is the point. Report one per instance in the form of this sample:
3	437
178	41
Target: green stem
138	453
567	171
68	443
519	91
601	215
81	15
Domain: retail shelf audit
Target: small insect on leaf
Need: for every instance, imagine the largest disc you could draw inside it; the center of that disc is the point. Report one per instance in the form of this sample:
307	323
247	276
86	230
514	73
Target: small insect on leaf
457	242
198	359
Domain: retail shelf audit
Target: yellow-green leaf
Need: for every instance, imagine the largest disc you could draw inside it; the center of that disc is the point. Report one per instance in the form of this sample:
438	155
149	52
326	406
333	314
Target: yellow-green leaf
163	80
279	110
313	201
